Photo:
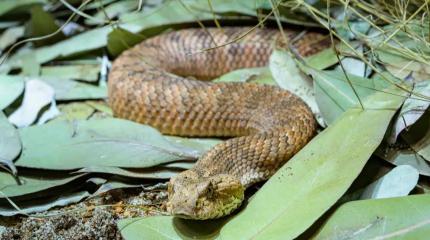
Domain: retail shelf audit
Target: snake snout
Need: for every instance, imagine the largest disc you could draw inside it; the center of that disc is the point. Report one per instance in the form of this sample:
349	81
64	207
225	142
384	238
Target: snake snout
202	198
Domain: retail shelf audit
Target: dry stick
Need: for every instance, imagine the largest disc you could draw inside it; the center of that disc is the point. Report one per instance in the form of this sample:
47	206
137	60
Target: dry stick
214	15
78	11
278	21
298	57
407	49
102	7
13	204
241	36
409	53
428	17
199	22
413	55
9	167
338	58
405	22
139	5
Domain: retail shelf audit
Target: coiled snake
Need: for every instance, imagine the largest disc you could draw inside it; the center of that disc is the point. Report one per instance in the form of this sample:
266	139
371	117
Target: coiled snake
148	84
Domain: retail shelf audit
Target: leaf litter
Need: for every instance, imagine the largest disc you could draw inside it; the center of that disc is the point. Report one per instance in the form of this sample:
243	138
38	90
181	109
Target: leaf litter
69	144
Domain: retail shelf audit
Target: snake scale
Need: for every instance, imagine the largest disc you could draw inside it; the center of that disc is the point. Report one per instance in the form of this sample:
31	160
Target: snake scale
151	84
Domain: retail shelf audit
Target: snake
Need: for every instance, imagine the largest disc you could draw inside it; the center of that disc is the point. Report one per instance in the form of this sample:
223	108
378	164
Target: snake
162	82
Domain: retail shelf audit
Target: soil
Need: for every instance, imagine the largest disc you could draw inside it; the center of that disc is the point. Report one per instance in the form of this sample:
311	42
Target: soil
93	218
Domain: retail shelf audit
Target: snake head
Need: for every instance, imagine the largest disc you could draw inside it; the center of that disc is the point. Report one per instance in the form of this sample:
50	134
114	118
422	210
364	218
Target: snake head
194	197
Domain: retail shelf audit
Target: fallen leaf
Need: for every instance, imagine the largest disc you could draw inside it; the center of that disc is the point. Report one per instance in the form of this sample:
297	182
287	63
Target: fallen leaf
152	173
256	75
97	142
101	106
403	67
397	183
11	88
32	184
418	136
164	227
75	111
8	5
9	37
8	24
354	66
391	218
200	145
184	165
34	206
413	108
327	57
66	89
49	114
111	185
112	11
120	39
335	95
36	96
10	144
87	72
404	157
43	23
288	76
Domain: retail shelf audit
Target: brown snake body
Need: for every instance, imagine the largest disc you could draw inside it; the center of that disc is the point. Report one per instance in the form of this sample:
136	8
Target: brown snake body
148	84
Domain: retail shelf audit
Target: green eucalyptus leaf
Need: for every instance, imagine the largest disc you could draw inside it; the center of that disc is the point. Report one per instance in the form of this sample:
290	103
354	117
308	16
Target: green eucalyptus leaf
256	75
66	89
334	93
75	111
40	205
111	11
9	5
404	157
41	24
9	36
152	173
88	72
391	218
397	183
10	144
120	39
97	142
11	88
26	185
